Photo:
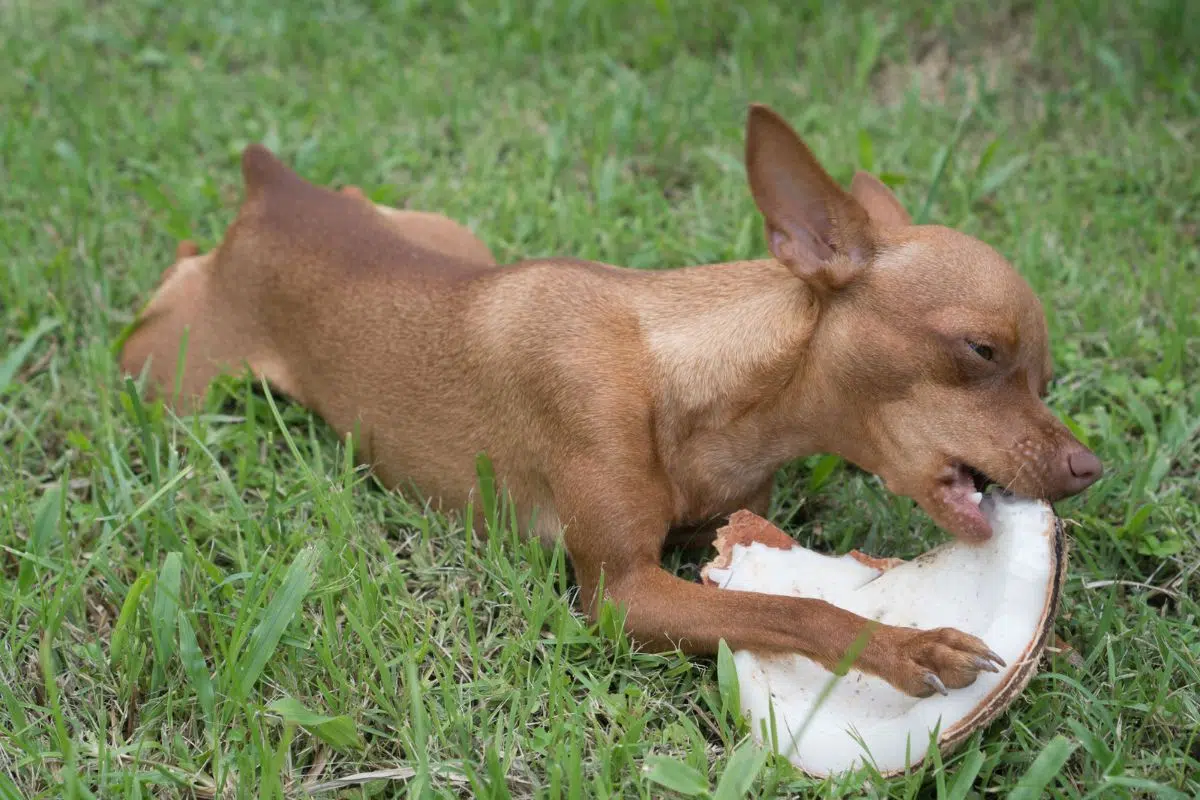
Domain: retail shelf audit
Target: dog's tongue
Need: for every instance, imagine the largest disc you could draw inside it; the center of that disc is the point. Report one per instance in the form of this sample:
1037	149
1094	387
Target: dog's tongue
963	516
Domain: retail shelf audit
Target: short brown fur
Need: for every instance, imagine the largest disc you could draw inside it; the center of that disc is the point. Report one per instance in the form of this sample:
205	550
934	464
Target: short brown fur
620	406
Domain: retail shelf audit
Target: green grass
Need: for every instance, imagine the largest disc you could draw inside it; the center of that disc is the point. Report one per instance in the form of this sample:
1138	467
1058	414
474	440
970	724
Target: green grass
223	606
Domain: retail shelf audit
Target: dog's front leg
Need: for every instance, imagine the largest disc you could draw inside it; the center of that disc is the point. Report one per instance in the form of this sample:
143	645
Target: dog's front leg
617	533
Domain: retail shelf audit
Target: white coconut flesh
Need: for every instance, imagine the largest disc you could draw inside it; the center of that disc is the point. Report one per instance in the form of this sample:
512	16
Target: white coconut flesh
1004	591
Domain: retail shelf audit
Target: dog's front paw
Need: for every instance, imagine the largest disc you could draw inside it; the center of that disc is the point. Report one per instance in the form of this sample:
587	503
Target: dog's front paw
935	661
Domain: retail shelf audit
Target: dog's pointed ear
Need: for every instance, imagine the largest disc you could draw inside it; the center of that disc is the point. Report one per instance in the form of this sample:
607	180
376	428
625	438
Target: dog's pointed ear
882	206
813	226
261	169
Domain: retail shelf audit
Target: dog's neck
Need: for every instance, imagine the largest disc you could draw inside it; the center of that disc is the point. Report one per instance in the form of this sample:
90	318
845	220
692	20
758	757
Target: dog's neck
737	391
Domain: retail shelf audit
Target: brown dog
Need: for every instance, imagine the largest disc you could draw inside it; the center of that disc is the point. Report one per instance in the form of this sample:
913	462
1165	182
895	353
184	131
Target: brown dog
619	405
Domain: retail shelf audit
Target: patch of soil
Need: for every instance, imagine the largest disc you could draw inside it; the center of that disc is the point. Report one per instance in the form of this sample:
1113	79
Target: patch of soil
937	64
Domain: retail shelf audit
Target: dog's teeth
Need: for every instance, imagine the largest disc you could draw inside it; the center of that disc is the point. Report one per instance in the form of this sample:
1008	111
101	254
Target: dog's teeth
976	497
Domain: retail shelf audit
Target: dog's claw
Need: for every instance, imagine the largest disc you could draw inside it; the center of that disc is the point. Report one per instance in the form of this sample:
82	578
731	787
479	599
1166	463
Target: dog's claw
936	683
983	663
993	657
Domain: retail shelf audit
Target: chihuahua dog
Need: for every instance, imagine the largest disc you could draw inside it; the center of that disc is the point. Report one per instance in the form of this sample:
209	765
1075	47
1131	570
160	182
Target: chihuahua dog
618	406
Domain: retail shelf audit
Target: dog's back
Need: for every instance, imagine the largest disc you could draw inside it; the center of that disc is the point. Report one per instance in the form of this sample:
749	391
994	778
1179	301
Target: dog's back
296	263
355	311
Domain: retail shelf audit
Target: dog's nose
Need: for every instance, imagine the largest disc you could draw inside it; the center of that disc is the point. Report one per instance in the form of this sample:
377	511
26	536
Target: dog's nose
1083	469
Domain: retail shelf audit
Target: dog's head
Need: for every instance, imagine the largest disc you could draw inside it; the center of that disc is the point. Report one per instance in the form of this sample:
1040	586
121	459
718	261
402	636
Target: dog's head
931	349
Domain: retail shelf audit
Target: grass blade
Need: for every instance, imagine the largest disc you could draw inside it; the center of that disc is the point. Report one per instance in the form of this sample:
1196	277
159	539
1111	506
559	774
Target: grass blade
165	610
1044	769
869	48
822	471
943	161
866	151
727	681
279	613
45	525
338	732
13	361
487	491
965	778
121	631
8	789
196	668
417	717
676	776
743	767
999	176
65	744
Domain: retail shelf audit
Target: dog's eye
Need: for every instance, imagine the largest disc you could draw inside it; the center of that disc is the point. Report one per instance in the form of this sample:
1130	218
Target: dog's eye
981	350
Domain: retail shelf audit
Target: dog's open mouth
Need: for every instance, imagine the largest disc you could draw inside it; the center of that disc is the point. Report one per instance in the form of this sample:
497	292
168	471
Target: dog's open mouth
961	489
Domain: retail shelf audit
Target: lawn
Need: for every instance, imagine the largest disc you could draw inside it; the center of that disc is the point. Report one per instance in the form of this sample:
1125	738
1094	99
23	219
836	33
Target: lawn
223	606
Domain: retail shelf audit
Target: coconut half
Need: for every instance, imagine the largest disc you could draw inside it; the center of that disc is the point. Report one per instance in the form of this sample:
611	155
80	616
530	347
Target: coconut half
1005	591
